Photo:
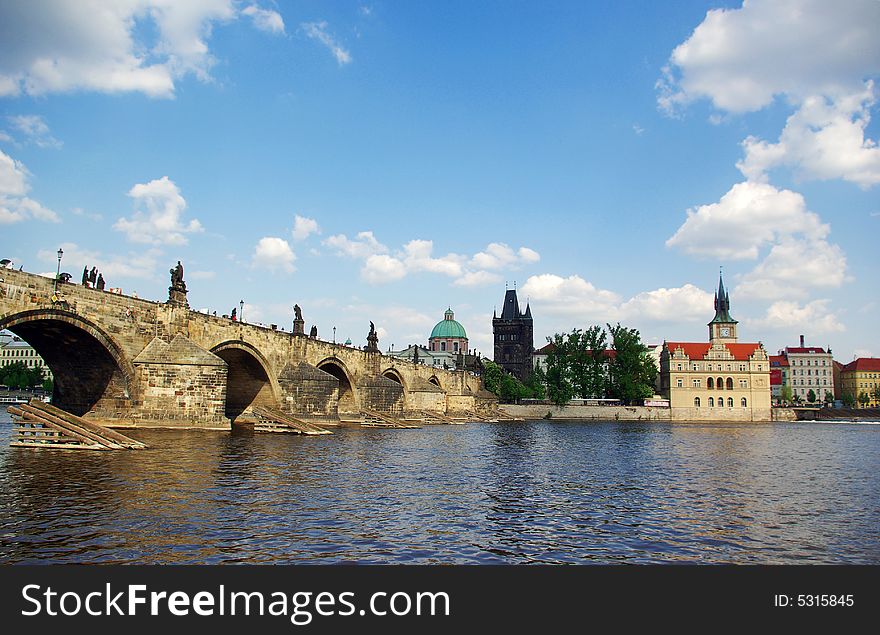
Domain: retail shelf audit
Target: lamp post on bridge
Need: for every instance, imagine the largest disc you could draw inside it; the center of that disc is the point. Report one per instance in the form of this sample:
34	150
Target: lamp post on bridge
241	311
334	334
57	273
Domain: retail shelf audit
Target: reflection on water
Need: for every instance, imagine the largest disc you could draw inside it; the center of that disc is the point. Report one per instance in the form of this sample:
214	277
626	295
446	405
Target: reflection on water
481	493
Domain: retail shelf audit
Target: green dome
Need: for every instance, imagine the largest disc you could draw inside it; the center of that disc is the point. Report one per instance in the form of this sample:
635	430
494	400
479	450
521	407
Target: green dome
448	327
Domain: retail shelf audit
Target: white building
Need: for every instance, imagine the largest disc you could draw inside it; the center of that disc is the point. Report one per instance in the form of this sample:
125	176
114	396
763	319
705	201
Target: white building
14	349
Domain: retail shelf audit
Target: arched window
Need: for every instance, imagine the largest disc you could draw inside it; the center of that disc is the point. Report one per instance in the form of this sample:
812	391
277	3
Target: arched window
730	402
720	383
730	383
743	402
442	346
455	347
710	383
696	402
711	402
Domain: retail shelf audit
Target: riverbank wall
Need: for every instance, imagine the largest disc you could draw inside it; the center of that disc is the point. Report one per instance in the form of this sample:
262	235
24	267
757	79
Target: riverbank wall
588	413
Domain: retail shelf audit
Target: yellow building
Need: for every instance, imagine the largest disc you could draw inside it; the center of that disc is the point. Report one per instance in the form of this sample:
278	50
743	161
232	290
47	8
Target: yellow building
859	377
718	380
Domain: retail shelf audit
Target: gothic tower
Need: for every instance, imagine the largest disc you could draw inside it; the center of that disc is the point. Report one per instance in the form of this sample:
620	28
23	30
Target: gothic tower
722	328
514	339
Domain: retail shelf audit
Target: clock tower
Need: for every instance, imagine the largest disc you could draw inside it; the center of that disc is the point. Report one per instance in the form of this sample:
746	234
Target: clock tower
722	328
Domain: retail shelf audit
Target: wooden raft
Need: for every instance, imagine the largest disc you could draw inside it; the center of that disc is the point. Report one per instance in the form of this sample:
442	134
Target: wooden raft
42	425
272	420
431	417
374	419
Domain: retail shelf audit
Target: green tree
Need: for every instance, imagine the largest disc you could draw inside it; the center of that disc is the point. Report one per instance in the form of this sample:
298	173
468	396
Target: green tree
536	383
632	372
876	393
864	399
811	395
848	399
492	374
785	394
559	386
829	398
19	375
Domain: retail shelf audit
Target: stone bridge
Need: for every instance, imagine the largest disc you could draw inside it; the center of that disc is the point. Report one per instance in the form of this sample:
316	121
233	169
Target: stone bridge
120	359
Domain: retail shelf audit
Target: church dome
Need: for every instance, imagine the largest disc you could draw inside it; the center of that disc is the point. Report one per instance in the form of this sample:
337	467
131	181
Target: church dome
448	327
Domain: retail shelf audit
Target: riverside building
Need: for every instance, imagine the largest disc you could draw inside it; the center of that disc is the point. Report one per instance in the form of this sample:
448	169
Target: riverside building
719	380
805	369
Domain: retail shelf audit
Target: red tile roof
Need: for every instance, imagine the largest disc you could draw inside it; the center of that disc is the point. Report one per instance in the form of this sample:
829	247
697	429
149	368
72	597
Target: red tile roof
863	364
698	350
804	349
778	360
546	349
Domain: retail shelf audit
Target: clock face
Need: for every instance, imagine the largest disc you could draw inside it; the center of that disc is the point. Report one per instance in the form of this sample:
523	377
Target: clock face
725	332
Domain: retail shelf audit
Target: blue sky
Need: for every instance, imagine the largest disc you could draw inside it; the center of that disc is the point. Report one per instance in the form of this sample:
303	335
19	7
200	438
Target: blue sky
384	160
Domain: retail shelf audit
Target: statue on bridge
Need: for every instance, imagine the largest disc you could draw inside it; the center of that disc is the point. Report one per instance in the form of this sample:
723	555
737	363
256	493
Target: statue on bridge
177	290
299	324
372	340
99	285
177	277
313	333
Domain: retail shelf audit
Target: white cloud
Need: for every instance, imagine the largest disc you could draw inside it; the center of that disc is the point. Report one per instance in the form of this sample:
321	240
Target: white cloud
477	279
159	207
265	19
49	46
822	140
35	128
501	256
304	227
15	205
417	257
274	254
814	317
682	303
571	296
364	246
382	268
741	59
318	31
749	216
793	267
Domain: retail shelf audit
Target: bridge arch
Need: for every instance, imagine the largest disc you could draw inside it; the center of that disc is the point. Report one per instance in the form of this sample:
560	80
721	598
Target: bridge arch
348	401
92	373
394	375
435	381
249	379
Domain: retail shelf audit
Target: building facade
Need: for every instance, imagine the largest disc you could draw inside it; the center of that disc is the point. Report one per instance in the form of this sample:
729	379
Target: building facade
448	335
16	349
514	337
719	380
862	377
805	369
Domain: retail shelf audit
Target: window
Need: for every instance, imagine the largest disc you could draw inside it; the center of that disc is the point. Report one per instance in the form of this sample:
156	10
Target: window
710	383
711	402
697	402
730	402
743	383
696	383
678	383
455	347
679	367
743	402
730	383
719	383
442	346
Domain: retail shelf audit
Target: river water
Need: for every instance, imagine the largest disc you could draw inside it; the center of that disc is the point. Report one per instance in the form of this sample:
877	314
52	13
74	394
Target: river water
534	492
